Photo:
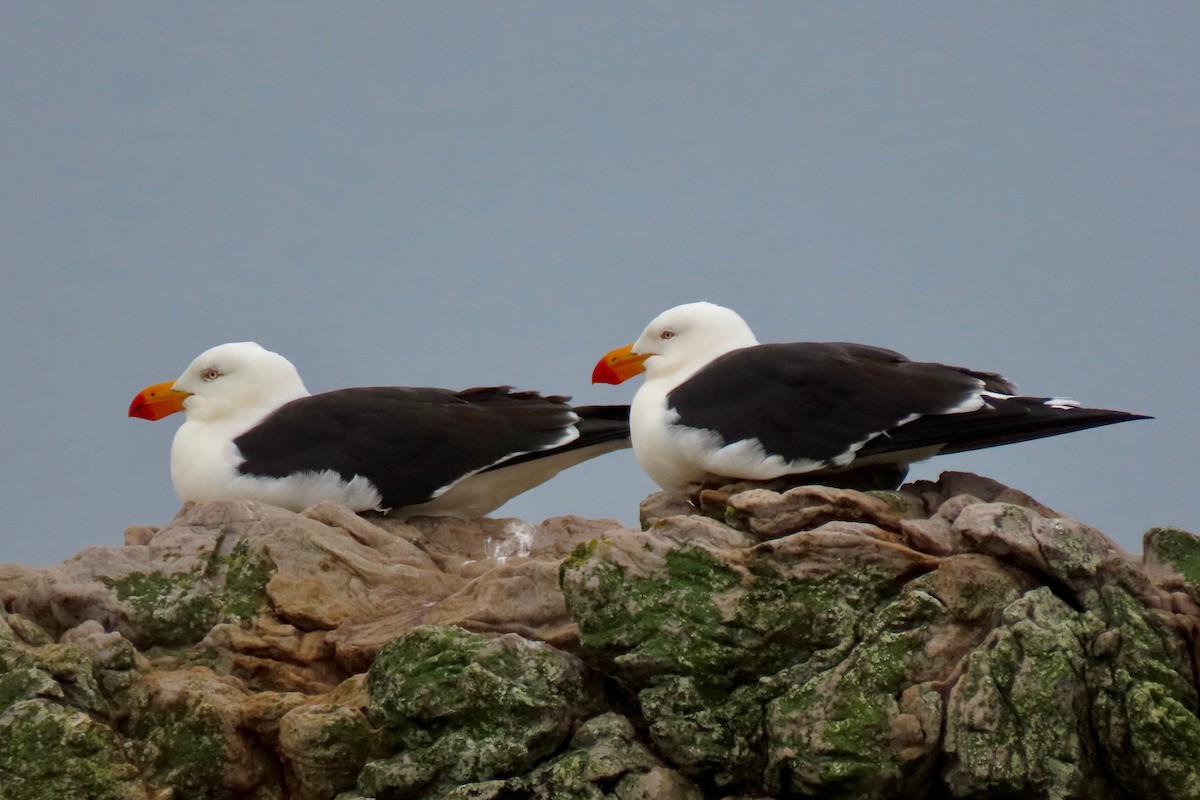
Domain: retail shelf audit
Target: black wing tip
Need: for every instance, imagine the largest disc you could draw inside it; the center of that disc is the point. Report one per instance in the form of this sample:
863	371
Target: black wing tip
1008	421
1102	416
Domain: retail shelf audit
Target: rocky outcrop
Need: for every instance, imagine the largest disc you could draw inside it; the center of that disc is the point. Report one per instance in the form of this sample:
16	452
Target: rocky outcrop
948	640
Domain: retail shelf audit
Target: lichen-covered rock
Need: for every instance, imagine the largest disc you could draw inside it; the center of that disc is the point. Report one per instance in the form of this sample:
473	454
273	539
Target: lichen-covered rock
55	742
1017	720
950	639
869	726
459	707
201	733
710	735
52	752
606	760
654	607
324	745
1144	699
1172	559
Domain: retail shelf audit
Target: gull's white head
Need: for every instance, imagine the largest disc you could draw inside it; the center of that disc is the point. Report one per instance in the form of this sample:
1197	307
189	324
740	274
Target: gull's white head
678	342
229	380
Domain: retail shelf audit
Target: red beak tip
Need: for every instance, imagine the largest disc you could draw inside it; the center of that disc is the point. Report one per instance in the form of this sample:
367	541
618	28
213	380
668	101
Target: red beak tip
604	374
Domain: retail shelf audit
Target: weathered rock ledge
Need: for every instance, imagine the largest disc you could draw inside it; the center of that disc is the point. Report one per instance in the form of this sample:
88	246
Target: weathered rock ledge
950	640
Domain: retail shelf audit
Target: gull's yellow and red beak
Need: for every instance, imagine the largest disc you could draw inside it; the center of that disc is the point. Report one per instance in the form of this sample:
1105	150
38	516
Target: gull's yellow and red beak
157	401
619	365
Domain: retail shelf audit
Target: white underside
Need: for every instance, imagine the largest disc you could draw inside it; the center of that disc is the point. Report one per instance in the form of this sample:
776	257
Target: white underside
484	492
204	464
675	456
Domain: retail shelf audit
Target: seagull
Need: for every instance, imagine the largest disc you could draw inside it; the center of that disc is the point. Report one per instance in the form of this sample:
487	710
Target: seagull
252	431
716	404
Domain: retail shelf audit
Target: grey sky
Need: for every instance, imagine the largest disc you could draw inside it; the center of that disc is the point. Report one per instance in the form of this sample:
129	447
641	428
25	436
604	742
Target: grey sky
456	194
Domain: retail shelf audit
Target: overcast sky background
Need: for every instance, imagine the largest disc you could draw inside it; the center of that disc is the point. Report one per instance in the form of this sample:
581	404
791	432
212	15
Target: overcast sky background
456	194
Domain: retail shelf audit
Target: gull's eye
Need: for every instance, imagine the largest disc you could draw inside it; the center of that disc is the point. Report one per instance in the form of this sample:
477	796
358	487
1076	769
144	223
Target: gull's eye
667	334
210	373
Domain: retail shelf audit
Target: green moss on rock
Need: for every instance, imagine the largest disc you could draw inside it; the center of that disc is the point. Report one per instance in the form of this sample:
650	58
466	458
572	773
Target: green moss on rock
1143	699
181	748
1178	549
26	683
664	622
834	733
688	613
179	608
1017	722
245	590
605	760
460	707
843	732
48	752
709	735
1166	736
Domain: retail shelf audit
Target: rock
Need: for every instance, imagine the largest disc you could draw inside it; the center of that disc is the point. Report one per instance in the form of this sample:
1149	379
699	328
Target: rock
606	752
948	639
1021	689
324	745
1172	560
459	707
48	750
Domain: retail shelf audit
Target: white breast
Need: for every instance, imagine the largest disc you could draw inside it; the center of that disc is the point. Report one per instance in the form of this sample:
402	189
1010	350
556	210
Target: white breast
674	455
204	464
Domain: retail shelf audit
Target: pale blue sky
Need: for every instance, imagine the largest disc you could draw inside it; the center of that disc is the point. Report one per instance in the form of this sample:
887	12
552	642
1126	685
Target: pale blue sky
456	194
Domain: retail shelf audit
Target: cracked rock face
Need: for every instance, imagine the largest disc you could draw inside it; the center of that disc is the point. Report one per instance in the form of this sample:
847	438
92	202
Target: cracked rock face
953	639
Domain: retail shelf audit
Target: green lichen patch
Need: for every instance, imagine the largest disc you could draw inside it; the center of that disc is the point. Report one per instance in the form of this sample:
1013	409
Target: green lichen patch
71	667
173	609
1017	722
326	745
482	790
26	683
665	622
1012	518
604	751
712	736
1148	650
1178	549
48	752
14	653
685	611
460	707
834	733
1143	699
244	592
63	671
164	608
182	748
1166	736
906	505
17	631
844	732
789	621
580	555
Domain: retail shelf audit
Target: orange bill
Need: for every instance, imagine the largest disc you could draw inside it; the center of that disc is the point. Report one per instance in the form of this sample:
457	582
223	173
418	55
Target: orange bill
157	401
619	365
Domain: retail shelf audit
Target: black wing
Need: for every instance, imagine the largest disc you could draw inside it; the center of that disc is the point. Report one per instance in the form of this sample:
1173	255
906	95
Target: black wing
409	442
815	400
1001	421
597	425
